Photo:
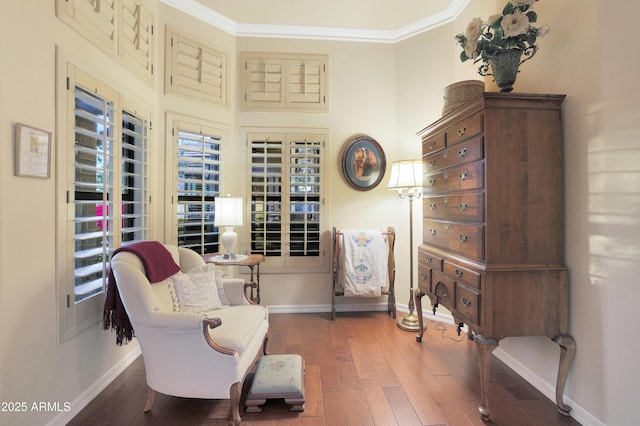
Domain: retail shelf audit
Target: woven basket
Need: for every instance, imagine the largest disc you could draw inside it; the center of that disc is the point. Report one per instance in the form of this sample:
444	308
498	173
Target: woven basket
457	94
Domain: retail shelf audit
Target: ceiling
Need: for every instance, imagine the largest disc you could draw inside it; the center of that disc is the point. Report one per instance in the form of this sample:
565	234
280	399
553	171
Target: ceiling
356	20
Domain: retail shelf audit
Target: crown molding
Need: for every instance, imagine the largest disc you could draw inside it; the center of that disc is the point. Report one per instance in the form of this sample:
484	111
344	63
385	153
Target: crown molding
210	16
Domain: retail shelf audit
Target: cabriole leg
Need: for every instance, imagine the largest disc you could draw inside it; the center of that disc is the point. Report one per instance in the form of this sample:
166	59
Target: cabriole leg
485	347
418	296
235	391
567	354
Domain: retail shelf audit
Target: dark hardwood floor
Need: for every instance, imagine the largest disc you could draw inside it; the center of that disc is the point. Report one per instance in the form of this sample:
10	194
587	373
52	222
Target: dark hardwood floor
360	370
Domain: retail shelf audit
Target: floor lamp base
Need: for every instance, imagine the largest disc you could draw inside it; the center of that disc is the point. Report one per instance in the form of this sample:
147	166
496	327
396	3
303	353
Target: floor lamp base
409	322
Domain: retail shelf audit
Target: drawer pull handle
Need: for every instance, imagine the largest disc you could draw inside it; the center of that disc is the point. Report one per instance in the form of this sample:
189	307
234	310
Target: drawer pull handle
432	163
466	302
463	238
462	206
462	152
432	144
462	176
432	181
432	232
428	259
423	276
432	206
462	131
445	175
459	273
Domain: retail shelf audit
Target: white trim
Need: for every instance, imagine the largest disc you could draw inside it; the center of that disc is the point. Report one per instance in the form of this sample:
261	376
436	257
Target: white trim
85	398
210	16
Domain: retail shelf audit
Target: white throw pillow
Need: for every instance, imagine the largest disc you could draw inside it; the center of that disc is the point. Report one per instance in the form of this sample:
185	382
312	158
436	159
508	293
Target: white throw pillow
197	290
218	273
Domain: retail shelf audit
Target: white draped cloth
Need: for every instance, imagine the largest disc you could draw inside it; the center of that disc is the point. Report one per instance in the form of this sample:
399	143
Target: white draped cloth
362	263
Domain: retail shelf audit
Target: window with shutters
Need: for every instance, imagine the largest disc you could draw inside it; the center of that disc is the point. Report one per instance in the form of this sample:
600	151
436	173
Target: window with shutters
196	157
195	69
103	191
284	82
286	192
123	29
137	40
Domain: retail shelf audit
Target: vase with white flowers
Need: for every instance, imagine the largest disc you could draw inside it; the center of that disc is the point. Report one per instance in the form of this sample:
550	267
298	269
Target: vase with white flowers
501	41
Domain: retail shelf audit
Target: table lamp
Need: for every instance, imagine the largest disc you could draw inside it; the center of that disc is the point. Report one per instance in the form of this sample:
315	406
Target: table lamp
228	214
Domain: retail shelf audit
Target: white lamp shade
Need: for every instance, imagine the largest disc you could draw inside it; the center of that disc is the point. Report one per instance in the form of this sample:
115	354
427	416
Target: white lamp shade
228	211
405	174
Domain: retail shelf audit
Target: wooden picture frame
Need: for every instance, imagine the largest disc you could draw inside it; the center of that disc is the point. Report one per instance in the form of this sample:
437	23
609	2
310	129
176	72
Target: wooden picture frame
32	152
363	163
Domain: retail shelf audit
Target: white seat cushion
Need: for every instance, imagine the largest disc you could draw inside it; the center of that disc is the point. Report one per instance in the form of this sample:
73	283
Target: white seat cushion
240	323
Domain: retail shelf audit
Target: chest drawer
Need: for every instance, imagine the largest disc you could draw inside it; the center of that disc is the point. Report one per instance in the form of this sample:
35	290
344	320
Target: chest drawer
444	289
467	177
455	207
462	153
433	143
465	239
468	304
424	278
429	259
465	129
467	276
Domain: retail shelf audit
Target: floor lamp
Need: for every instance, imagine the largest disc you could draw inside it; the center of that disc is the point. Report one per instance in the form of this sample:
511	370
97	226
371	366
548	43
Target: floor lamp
406	178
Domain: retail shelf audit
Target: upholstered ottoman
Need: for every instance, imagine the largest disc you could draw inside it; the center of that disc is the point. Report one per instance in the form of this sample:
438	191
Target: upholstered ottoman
277	376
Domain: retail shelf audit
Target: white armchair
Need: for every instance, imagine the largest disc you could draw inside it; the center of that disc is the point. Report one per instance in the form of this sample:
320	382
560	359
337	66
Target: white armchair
189	354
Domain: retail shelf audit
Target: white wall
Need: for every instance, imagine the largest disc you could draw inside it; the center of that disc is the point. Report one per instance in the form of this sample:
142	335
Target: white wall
388	92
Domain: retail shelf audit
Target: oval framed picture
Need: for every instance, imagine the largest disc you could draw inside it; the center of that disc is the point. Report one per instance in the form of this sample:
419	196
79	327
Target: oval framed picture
363	163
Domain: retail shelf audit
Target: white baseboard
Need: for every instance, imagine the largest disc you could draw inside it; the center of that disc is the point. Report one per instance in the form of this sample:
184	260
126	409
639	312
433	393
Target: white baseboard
94	390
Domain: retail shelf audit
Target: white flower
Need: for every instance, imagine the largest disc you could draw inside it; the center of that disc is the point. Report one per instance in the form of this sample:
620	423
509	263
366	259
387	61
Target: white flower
474	29
471	49
519	3
515	24
543	30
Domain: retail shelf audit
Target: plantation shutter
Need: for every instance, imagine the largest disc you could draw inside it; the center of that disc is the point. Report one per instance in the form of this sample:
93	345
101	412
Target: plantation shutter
134	178
93	192
198	183
304	88
94	19
286	82
304	196
266	194
136	39
286	190
196	70
264	77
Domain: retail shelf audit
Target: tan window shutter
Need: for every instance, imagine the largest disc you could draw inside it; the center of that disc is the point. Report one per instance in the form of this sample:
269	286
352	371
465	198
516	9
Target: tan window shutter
284	82
264	79
137	40
196	70
96	20
304	79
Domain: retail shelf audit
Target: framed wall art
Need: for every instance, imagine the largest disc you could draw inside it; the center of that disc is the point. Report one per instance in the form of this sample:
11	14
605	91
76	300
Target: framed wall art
363	163
32	152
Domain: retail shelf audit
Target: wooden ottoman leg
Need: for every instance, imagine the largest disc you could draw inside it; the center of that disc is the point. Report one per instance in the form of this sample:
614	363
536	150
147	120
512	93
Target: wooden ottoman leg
253	404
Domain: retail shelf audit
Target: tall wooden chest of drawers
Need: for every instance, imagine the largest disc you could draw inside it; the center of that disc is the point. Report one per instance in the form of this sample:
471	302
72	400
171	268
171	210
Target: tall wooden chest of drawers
493	225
